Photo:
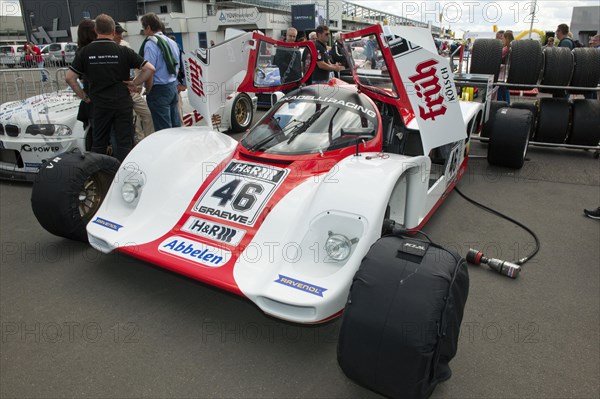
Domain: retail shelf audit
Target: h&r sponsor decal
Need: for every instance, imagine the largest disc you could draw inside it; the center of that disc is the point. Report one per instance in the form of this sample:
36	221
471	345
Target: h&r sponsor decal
301	285
213	231
108	224
195	251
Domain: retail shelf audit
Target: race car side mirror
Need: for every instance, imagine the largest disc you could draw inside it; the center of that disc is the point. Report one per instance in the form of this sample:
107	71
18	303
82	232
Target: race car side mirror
361	133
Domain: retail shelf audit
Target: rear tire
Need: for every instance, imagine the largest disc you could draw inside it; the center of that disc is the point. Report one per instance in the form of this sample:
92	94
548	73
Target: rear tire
69	190
586	122
524	63
510	138
586	72
486	57
553	121
242	113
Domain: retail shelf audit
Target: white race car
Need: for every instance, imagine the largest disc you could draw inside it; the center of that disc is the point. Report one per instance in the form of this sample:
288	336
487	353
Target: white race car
41	127
285	216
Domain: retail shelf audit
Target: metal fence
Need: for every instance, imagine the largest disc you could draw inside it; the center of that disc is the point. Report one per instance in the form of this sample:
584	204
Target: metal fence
21	83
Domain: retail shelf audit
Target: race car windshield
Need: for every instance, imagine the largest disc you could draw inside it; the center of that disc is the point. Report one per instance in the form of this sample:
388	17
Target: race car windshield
300	126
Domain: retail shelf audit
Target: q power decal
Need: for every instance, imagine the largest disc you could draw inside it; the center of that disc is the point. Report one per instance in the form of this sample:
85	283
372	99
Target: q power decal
213	231
194	251
240	192
301	285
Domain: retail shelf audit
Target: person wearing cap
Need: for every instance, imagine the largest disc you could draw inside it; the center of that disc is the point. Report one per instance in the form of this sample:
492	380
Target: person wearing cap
140	107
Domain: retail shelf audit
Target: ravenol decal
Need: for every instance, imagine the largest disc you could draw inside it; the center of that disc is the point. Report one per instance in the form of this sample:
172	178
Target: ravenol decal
301	285
429	90
108	224
213	231
194	251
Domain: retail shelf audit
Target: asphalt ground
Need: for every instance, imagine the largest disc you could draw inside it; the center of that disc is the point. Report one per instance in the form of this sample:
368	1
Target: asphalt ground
78	323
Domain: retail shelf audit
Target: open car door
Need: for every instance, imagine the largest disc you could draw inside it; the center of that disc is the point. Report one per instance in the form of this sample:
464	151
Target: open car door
276	66
400	66
250	62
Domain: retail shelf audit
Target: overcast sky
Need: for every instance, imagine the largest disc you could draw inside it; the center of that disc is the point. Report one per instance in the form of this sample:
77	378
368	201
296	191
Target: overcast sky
474	16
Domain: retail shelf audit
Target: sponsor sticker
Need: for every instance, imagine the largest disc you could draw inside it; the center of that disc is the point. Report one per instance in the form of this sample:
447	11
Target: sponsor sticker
213	231
107	223
194	251
301	285
240	192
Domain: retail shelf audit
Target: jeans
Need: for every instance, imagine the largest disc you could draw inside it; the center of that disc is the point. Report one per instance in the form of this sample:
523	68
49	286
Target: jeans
162	102
503	94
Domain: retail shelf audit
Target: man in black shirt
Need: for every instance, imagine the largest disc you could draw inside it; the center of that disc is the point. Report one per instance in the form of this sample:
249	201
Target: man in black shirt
106	67
324	64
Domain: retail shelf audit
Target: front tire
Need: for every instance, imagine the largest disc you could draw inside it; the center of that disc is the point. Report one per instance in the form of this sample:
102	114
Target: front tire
242	113
69	190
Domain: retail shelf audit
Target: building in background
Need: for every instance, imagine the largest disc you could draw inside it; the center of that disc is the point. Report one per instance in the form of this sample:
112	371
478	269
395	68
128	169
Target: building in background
585	23
194	23
12	30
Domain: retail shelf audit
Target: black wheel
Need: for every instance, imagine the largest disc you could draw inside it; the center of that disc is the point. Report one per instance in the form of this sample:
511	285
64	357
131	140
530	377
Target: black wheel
558	68
242	113
553	121
524	63
68	191
486	57
494	107
586	122
586	72
530	106
510	138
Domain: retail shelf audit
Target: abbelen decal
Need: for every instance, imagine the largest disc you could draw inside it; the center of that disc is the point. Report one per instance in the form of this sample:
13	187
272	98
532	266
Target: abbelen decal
194	251
213	231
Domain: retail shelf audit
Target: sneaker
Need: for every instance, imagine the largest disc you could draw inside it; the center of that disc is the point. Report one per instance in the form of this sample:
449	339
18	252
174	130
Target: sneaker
594	214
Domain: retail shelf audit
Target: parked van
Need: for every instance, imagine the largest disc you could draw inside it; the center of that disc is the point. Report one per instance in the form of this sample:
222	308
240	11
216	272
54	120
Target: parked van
11	54
62	53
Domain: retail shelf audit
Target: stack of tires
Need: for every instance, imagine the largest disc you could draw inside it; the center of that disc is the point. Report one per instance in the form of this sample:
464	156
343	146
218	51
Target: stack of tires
527	64
547	121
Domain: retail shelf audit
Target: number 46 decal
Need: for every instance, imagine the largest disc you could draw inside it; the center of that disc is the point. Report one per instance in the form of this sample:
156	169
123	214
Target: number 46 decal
244	199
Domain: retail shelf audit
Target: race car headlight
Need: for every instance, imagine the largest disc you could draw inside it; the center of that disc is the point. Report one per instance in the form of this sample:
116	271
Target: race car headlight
338	246
130	192
49	130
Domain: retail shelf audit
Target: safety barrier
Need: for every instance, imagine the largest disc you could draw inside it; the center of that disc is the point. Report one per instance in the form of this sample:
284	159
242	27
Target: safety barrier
20	83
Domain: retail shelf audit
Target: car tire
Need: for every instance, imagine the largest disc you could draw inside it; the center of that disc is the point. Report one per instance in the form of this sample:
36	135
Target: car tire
69	190
558	68
586	120
524	63
586	71
494	107
531	107
242	113
553	121
486	57
510	138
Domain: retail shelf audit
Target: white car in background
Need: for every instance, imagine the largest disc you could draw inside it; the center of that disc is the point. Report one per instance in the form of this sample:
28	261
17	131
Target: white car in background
43	126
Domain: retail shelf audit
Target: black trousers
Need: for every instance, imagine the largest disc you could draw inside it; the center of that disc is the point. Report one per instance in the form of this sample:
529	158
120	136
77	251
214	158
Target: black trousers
119	122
